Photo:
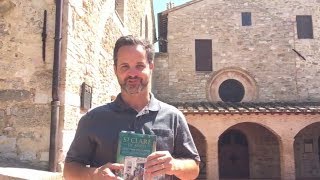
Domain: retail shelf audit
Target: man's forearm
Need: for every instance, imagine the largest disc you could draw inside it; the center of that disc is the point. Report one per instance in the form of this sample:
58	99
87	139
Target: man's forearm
186	168
73	170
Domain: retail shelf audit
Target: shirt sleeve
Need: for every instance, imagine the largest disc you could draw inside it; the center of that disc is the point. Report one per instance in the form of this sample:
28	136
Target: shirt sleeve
184	144
82	146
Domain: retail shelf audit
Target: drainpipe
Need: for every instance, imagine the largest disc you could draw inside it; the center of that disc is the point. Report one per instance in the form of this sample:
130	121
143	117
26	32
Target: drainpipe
55	103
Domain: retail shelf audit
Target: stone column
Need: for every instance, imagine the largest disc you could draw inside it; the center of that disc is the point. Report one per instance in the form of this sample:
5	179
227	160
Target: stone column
287	159
212	158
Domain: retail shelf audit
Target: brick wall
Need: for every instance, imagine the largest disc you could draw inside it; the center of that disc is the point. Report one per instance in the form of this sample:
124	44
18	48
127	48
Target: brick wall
273	141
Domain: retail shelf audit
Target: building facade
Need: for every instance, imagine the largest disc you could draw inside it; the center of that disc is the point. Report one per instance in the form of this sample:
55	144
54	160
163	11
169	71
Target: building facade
246	74
89	30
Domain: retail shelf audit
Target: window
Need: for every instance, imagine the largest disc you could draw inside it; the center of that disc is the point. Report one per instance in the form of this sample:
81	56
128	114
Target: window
231	90
304	27
246	18
203	48
146	28
308	145
140	27
119	7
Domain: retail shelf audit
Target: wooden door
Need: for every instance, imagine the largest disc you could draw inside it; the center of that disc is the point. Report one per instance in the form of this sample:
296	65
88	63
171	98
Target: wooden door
233	155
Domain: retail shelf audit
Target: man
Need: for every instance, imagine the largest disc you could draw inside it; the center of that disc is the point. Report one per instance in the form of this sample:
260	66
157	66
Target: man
92	154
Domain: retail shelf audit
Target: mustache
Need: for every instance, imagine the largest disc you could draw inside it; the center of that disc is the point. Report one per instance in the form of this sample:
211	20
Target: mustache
132	78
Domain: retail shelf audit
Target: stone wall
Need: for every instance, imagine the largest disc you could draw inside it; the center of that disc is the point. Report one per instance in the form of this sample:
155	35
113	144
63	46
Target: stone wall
25	81
263	50
91	32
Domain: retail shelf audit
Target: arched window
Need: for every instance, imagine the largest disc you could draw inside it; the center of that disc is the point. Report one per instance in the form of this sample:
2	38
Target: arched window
140	27
119	7
146	32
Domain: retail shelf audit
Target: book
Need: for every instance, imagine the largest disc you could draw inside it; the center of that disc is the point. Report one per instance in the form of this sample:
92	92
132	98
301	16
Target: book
133	149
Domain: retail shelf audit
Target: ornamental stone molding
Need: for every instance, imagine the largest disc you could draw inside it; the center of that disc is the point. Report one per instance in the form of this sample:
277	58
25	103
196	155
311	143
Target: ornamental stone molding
249	84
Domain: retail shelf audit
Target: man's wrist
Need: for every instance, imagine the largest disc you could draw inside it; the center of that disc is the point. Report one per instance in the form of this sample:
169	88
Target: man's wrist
185	168
176	166
92	172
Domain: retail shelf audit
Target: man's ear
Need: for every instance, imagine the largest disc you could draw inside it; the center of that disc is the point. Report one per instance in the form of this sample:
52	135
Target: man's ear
151	65
115	68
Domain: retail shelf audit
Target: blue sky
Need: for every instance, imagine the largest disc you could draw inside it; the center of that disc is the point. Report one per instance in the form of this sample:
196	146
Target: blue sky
161	5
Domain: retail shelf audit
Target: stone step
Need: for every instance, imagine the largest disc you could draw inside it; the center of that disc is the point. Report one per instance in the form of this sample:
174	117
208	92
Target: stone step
10	173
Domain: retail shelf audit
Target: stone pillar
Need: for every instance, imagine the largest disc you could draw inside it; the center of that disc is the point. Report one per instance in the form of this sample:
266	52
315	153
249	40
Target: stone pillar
287	159
212	158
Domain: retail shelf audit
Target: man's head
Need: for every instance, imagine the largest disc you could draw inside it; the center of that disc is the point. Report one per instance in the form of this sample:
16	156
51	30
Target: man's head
132	41
133	64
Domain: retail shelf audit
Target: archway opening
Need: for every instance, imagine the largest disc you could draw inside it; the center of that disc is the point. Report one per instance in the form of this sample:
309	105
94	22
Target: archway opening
233	155
307	152
249	151
319	148
201	144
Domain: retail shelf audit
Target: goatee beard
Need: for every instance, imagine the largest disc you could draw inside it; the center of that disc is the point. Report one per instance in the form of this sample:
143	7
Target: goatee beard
134	88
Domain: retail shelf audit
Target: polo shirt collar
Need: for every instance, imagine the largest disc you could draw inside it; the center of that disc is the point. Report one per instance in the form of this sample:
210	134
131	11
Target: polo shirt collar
154	104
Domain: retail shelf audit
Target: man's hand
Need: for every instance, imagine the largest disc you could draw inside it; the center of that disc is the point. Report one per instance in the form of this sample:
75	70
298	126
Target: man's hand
159	163
74	170
107	171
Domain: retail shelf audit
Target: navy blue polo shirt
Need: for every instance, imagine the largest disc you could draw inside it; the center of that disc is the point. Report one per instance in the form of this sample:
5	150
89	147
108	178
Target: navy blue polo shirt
96	139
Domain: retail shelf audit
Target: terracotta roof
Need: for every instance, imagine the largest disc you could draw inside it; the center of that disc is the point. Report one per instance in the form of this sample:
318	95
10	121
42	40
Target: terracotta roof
248	108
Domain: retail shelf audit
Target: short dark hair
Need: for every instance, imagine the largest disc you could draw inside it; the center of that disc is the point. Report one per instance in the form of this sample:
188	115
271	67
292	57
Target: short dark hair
132	41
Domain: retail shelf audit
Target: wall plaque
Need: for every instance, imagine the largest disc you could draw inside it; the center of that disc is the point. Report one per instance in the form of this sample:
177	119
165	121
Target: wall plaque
308	145
86	96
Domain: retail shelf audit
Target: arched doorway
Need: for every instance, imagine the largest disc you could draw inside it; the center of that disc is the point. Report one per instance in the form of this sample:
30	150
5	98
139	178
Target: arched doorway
307	152
233	155
319	148
249	151
201	144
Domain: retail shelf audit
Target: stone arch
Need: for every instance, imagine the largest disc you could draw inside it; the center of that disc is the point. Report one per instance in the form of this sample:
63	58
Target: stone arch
233	73
263	147
307	152
233	155
201	144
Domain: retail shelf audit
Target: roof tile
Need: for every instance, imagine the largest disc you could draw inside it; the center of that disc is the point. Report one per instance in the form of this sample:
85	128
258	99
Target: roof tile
248	107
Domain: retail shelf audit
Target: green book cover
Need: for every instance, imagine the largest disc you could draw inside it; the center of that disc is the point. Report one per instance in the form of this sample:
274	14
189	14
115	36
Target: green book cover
133	148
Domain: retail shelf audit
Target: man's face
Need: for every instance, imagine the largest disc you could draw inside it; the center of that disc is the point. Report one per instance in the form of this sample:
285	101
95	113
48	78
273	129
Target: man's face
133	70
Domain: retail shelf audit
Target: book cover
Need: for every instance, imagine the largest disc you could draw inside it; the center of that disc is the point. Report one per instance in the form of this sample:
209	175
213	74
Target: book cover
133	148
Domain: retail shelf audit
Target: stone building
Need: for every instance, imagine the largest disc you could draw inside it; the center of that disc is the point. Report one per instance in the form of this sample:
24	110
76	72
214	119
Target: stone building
45	87
247	76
